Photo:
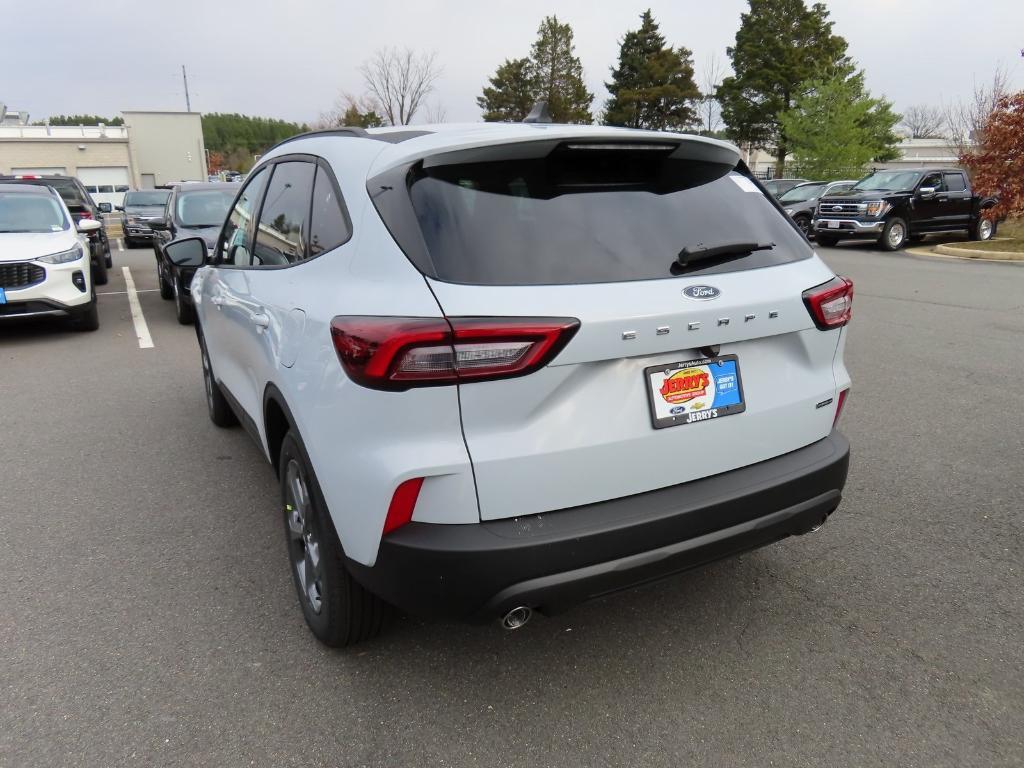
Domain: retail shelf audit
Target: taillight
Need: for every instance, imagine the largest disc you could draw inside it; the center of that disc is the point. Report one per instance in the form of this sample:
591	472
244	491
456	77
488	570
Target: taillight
402	352
839	405
831	303
85	215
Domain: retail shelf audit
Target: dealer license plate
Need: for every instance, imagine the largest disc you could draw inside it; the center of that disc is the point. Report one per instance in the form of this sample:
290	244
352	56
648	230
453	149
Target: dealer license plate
694	390
833	224
3	296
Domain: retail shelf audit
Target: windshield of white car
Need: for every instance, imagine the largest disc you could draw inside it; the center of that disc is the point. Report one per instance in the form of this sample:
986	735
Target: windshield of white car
885	181
802	193
154	197
22	212
204	208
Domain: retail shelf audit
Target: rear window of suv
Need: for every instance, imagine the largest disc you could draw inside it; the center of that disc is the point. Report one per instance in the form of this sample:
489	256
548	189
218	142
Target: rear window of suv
583	214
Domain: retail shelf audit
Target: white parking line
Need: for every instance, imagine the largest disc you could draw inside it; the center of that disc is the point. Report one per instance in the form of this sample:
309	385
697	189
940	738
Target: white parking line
119	293
120	245
141	329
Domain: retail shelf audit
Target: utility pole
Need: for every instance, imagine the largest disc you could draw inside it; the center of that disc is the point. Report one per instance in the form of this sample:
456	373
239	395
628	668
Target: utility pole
188	102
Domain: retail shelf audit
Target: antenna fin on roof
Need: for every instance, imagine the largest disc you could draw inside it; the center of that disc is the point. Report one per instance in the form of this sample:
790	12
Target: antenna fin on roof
539	114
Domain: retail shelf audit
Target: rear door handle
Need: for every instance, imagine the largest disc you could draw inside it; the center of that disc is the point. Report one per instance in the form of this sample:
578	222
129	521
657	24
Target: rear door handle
218	301
261	320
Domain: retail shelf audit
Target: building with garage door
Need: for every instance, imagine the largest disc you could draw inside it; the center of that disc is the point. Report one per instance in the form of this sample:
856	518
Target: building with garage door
149	150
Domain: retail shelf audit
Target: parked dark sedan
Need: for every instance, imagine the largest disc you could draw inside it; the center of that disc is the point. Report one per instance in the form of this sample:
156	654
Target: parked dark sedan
802	200
139	210
193	210
778	187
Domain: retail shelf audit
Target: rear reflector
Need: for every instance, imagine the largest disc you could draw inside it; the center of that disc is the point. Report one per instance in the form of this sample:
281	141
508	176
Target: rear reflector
401	352
839	405
830	304
402	504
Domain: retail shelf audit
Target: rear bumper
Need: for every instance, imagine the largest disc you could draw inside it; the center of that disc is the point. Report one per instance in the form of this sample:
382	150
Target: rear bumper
553	560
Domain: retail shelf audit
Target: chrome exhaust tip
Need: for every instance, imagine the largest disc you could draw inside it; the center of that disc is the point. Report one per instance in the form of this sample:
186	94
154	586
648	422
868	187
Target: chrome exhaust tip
820	524
516	618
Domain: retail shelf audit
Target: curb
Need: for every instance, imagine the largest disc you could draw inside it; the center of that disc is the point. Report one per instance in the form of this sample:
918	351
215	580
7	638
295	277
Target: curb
970	253
932	254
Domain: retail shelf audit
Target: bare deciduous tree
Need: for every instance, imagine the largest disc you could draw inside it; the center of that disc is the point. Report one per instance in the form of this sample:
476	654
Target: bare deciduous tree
924	121
710	112
400	80
437	112
965	120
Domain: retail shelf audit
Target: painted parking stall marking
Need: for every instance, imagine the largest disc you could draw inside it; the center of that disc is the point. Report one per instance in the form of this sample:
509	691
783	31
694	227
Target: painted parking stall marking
138	319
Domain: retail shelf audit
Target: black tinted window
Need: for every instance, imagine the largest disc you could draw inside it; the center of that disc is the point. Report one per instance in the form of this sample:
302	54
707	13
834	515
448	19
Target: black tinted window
284	221
330	226
955	182
588	217
235	239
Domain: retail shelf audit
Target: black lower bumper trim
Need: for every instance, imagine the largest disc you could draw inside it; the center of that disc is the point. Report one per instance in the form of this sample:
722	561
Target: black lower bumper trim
553	560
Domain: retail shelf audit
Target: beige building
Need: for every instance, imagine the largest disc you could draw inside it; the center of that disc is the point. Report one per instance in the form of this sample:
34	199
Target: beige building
150	149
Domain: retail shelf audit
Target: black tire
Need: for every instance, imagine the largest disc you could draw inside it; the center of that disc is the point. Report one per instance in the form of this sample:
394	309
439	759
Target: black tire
128	243
99	270
183	310
87	319
166	289
338	610
217	405
894	236
826	241
982	229
804	224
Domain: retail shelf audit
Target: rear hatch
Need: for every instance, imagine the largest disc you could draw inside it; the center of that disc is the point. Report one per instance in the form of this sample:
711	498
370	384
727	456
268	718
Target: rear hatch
592	232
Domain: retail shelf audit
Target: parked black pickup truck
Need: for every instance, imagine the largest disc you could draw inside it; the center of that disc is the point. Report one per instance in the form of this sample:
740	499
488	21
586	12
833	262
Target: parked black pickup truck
897	205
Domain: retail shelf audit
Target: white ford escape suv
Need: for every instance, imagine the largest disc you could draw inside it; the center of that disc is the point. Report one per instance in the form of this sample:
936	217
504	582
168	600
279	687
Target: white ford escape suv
44	258
505	368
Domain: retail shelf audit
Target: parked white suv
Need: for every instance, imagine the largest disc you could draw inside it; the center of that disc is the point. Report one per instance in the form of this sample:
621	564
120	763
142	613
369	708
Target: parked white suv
44	258
502	368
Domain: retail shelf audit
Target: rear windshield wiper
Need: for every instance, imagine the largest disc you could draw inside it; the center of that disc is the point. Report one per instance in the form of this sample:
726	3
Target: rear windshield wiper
692	254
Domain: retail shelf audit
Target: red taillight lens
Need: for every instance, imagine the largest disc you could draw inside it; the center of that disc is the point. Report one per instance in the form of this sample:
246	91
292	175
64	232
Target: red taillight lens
402	504
403	352
830	304
84	215
839	405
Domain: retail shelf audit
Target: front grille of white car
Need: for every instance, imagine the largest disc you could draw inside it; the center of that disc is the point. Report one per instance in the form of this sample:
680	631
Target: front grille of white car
21	274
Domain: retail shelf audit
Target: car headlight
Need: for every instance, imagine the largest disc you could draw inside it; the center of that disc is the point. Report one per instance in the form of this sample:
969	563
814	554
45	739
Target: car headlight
72	254
789	211
133	219
877	207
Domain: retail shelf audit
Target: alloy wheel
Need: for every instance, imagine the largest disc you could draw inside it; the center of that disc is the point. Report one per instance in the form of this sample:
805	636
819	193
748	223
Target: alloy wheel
896	235
984	229
304	546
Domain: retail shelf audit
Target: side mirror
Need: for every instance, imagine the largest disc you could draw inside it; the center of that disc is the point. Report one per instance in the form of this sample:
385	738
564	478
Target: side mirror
926	191
105	207
188	252
85	226
118	207
160	224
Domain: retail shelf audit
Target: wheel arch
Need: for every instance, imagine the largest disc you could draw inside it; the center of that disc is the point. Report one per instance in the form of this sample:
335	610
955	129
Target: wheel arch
277	422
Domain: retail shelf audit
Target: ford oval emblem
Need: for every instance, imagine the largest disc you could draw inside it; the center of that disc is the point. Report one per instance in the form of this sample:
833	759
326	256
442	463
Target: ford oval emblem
701	292
837	207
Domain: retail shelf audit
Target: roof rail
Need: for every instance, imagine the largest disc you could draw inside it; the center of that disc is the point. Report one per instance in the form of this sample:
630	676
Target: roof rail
392	137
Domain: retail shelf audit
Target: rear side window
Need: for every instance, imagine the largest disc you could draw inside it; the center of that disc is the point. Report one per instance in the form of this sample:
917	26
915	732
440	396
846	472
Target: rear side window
283	231
955	182
588	215
330	225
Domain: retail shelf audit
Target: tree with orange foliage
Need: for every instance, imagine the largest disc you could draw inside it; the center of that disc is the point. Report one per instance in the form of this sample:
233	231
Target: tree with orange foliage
997	164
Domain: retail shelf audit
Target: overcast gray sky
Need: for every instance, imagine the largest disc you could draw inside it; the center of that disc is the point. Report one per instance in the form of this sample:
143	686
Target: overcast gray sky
291	59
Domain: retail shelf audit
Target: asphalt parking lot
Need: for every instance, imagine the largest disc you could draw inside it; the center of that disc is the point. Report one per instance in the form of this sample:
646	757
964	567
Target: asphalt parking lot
148	617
